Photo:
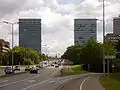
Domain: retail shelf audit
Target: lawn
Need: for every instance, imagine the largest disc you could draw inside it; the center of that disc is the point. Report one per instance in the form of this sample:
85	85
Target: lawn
25	65
111	82
75	69
2	67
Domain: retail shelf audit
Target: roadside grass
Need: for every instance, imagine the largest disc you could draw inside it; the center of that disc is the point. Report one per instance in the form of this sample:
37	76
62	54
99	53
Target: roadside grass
7	75
25	65
75	69
111	82
1	67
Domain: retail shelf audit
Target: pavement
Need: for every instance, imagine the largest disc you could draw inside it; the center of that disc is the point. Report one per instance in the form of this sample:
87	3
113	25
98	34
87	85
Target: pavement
24	81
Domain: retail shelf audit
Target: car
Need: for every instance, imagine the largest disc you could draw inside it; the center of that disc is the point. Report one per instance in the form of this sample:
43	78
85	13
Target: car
27	68
56	66
8	70
34	70
52	65
17	68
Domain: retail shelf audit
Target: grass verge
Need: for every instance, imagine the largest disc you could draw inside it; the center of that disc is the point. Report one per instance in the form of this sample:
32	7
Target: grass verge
26	65
1	67
75	69
111	82
7	75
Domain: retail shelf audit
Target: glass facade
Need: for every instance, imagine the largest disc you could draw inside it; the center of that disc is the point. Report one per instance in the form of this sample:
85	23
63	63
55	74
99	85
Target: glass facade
84	29
30	33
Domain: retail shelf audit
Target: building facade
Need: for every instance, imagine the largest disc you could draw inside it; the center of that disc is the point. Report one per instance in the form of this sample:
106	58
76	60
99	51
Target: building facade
111	37
115	36
84	30
4	46
116	25
30	33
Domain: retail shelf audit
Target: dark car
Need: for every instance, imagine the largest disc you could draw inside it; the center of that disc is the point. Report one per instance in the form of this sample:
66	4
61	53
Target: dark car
34	70
27	68
8	70
56	66
17	68
52	65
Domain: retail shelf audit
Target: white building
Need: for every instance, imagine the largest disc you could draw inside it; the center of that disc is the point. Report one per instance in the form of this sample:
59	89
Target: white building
85	29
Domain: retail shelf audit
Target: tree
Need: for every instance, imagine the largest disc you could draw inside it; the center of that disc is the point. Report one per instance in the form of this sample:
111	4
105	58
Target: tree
23	56
90	53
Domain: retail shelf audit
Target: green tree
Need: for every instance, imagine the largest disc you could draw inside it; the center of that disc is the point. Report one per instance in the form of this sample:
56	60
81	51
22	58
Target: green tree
89	53
22	55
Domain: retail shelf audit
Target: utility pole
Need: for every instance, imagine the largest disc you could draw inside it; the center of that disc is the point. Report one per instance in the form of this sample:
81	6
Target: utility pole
12	26
103	35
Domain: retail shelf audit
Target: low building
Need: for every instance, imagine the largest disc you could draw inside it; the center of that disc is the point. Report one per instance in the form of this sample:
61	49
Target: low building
111	37
4	45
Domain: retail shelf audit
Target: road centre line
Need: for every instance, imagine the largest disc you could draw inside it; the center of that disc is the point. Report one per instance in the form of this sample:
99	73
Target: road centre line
81	85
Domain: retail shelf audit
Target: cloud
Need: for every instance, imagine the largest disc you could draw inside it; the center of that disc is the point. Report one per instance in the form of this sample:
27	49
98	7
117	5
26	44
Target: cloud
11	6
57	18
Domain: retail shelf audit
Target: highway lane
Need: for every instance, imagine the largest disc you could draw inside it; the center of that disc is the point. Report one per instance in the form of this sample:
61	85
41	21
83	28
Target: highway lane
90	82
56	83
17	78
21	82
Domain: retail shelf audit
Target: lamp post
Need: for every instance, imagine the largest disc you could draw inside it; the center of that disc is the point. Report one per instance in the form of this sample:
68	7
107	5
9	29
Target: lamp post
12	27
47	52
103	35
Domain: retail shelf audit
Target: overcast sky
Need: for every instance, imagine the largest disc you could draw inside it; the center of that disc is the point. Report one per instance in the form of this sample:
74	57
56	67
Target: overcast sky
57	19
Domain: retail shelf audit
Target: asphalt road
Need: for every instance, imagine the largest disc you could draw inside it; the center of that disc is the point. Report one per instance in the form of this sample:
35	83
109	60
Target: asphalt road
24	81
58	83
90	82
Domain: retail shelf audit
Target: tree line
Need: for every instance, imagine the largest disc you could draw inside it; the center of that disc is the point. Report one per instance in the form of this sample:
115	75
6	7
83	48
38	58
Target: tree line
91	54
21	55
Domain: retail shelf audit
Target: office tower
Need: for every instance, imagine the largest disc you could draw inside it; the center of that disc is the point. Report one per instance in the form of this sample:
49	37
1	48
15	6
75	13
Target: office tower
116	25
85	29
30	33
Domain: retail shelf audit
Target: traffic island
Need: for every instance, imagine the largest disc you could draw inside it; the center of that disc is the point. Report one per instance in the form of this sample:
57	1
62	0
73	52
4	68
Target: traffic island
72	70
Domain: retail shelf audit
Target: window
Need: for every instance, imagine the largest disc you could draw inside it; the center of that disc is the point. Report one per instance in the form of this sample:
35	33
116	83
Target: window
93	25
81	30
80	37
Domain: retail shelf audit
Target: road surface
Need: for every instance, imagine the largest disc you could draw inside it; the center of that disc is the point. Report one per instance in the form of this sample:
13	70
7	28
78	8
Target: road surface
84	83
22	82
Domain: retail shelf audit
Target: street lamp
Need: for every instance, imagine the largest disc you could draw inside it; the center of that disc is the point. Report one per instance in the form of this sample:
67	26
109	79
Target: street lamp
47	47
103	35
12	26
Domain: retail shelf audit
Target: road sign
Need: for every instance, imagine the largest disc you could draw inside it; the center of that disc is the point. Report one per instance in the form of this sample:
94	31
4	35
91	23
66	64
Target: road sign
110	57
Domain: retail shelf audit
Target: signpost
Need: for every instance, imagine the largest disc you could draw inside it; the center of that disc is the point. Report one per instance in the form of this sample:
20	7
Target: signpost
110	57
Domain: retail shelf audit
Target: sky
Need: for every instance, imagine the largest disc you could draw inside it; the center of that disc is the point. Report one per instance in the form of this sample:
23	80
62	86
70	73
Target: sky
57	19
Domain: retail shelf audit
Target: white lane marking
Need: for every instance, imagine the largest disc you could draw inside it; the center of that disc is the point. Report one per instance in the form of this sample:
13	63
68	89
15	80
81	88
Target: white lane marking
31	81
35	84
81	85
4	81
18	81
55	81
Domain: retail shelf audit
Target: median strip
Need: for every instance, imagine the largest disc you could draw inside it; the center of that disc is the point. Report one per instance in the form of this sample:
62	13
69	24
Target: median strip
72	70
